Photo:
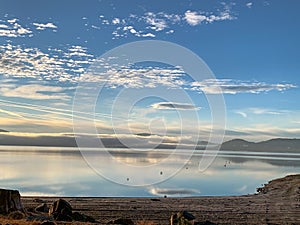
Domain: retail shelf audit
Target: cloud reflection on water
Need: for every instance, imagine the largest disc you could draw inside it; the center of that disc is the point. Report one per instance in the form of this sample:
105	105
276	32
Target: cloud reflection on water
63	171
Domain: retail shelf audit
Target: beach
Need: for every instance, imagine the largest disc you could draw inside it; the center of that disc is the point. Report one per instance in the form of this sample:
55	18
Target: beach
277	203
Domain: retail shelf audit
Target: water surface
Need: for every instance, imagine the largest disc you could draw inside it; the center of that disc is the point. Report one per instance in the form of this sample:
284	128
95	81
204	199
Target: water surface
56	171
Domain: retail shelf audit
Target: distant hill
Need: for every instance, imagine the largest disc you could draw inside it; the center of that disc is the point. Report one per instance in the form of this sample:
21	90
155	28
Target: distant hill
273	145
3	131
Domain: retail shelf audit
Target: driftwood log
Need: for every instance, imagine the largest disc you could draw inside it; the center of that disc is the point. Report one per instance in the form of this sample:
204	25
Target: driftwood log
10	200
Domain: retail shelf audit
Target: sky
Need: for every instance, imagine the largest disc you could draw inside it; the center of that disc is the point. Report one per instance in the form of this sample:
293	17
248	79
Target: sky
48	47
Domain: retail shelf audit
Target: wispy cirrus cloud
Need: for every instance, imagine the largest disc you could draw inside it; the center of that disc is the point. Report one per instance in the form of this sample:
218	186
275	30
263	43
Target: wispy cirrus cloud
265	111
260	111
10	113
28	115
35	91
242	113
174	106
229	86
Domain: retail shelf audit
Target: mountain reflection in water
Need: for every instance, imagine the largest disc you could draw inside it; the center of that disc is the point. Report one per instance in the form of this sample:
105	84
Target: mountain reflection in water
64	172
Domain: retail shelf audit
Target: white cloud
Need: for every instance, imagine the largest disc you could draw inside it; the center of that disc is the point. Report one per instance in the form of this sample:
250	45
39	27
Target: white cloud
56	64
23	31
8	33
12	21
34	91
77	50
174	106
150	23
3	26
148	35
11	113
247	112
175	77
170	32
243	114
130	30
29	62
67	64
133	31
261	111
11	28
105	22
43	26
249	5
116	21
193	18
125	28
157	24
145	25
227	86
147	77
265	131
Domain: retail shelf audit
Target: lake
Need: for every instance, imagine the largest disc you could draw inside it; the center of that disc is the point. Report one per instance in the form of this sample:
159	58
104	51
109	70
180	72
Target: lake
53	171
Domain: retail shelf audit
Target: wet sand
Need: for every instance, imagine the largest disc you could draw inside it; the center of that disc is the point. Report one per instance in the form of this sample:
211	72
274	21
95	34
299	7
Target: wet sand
278	203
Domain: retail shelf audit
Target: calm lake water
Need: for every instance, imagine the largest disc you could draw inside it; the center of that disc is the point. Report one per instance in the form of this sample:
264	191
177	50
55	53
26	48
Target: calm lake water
53	171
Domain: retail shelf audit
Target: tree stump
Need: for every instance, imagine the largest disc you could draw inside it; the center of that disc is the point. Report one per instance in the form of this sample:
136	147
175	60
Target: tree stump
10	200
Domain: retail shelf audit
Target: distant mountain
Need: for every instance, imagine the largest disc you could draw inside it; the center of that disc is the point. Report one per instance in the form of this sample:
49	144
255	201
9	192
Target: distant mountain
3	131
273	145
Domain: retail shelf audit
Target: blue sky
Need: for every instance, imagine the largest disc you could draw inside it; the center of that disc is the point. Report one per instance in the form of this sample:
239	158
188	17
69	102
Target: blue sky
252	47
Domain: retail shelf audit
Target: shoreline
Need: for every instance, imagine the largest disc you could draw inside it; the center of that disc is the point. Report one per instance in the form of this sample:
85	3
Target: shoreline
277	203
156	210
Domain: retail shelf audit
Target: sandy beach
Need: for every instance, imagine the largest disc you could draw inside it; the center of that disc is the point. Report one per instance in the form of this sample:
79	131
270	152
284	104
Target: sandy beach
277	203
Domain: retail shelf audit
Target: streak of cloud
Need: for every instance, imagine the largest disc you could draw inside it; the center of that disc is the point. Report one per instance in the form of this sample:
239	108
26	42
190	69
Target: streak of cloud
229	86
174	106
10	113
43	26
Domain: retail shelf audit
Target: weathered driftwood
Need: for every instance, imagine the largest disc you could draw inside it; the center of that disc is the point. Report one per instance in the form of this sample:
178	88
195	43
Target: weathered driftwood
10	200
